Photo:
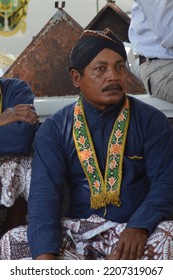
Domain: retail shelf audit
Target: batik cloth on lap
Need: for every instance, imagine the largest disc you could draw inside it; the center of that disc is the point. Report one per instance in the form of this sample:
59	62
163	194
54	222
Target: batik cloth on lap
14	246
95	237
90	239
15	176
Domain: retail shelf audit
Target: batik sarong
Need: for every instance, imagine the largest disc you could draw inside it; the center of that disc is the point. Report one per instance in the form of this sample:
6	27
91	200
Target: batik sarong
15	176
90	239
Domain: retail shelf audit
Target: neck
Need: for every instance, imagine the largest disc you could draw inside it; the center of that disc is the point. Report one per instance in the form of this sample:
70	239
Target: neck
104	108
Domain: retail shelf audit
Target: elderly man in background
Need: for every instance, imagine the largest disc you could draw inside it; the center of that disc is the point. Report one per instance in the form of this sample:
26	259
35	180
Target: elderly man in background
115	153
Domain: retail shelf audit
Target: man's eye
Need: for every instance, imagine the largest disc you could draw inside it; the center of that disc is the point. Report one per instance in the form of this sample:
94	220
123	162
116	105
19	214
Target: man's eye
101	68
120	67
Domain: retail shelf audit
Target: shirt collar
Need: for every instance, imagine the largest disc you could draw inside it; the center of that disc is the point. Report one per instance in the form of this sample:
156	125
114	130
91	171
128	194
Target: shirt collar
111	110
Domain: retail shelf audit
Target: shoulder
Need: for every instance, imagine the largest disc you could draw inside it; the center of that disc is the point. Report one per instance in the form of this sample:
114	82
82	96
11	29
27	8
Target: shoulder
143	108
147	115
66	111
61	118
15	91
6	82
12	86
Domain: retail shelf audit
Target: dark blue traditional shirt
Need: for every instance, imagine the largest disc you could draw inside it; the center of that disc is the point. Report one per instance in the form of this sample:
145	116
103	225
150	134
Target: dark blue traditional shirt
147	182
16	138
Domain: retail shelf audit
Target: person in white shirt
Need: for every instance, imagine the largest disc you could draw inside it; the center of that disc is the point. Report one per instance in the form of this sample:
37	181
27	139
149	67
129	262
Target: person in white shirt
151	35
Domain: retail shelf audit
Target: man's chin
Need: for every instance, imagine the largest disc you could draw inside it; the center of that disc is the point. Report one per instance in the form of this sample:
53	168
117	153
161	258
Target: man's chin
114	98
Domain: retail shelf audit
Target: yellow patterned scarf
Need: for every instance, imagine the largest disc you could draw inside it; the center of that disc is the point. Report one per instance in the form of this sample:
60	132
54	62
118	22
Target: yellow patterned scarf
103	190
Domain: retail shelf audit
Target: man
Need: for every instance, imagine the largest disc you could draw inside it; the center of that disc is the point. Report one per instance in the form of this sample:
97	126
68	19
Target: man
151	35
114	153
18	125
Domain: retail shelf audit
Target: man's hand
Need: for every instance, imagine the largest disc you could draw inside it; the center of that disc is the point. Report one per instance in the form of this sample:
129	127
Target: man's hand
46	257
21	112
130	246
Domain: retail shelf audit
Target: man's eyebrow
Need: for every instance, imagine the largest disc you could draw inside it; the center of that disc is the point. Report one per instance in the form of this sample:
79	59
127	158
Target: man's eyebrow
105	62
120	61
102	62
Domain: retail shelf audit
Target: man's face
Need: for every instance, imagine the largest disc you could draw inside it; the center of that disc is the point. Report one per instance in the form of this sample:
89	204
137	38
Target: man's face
104	79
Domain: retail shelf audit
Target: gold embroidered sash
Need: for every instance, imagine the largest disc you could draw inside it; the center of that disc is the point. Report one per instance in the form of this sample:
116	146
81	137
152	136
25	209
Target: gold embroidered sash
103	190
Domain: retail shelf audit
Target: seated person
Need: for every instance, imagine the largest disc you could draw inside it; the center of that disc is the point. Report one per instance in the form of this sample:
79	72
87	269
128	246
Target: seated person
18	125
151	36
115	153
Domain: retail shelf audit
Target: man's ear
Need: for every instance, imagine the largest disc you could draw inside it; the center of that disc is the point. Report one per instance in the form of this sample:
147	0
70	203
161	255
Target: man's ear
75	76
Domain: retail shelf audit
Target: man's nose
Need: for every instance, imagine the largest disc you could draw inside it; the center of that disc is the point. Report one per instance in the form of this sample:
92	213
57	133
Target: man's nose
112	73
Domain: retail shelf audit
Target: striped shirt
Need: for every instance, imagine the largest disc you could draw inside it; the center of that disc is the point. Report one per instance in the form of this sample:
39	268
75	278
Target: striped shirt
151	28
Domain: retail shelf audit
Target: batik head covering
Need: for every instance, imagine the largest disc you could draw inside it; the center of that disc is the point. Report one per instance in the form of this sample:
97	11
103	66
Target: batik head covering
90	43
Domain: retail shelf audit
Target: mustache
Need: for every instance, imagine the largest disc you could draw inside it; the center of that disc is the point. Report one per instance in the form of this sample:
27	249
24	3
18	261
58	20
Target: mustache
116	86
